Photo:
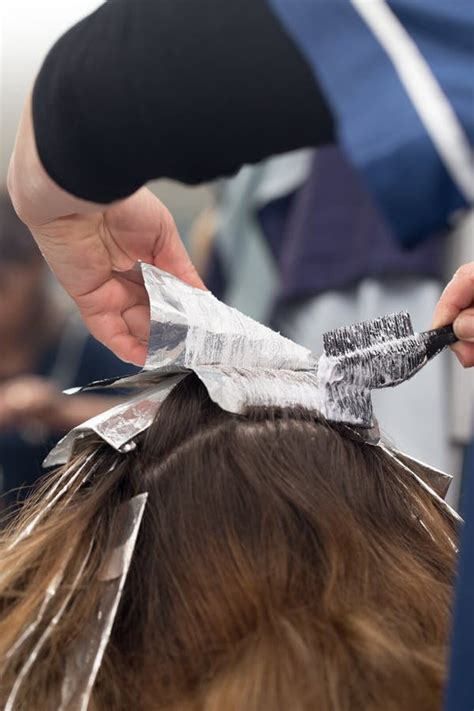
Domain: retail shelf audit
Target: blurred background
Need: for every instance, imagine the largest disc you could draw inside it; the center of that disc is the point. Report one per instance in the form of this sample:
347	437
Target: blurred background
295	242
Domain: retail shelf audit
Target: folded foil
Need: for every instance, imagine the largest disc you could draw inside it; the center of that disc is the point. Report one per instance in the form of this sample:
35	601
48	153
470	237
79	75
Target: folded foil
118	426
82	662
243	363
240	361
190	327
35	653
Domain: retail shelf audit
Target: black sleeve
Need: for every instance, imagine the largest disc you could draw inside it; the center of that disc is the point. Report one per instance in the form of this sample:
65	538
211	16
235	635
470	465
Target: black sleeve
185	89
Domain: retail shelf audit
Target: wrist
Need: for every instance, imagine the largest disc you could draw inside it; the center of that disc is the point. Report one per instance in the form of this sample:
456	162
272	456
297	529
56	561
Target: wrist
36	198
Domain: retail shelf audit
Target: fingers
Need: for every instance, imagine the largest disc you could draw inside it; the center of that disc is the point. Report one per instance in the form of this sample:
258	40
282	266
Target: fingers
112	330
137	320
128	349
142	228
92	254
456	306
118	315
464	330
464	325
465	353
457	296
75	251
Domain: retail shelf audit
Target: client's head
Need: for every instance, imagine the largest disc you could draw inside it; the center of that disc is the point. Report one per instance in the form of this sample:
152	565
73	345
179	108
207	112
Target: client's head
280	566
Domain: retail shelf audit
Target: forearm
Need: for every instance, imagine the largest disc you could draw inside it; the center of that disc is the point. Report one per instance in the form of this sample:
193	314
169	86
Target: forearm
36	197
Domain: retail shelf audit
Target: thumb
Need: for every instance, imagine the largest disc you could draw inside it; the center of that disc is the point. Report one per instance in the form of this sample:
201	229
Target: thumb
464	325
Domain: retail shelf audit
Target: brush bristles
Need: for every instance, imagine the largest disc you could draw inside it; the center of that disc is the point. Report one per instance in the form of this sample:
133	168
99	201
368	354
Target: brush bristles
368	333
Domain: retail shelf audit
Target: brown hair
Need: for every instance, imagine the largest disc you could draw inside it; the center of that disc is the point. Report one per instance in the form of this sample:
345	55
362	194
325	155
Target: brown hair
280	566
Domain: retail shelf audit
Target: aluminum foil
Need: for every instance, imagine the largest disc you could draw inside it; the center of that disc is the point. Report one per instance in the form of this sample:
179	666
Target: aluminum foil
75	473
118	426
190	327
38	646
84	659
243	363
429	485
439	481
51	591
235	389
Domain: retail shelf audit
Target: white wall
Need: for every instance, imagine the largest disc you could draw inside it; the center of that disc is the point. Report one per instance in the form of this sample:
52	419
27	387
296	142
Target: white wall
28	28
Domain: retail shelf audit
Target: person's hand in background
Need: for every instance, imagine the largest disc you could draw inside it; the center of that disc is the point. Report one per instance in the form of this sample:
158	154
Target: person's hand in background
456	306
91	248
35	401
28	399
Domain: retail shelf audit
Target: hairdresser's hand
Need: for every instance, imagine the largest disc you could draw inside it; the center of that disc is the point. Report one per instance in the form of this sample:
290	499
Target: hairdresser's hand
456	306
89	247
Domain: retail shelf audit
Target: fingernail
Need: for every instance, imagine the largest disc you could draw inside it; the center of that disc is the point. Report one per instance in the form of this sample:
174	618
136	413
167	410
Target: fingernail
464	327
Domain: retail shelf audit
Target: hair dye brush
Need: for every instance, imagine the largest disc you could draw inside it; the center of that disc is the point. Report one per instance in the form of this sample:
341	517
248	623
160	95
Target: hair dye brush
371	355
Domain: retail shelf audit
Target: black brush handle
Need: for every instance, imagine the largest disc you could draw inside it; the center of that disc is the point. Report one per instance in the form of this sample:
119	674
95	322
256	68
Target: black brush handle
439	338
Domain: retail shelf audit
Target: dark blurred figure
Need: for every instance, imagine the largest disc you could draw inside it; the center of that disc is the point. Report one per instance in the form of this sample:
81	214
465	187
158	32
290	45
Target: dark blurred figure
44	349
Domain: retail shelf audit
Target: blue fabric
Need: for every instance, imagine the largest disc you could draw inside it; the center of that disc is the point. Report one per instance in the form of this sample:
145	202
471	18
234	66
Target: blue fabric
330	235
376	122
460	693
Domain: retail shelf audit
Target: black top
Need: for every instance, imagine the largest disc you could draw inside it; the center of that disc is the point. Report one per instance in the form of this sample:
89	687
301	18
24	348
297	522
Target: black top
184	89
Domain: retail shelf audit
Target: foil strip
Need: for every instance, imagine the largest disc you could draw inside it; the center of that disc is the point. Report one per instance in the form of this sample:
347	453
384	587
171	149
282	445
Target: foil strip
438	481
235	389
190	327
51	591
35	652
402	461
118	426
71	475
84	660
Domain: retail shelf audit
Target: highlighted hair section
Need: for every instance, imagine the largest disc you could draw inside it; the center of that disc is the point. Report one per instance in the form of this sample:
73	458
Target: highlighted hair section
279	565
